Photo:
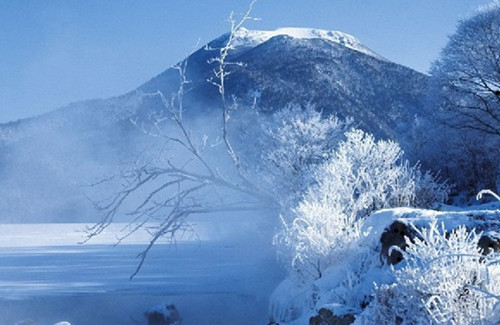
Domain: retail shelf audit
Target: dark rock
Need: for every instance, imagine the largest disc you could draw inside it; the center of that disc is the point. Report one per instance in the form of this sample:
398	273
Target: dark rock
163	315
272	322
488	242
327	317
395	235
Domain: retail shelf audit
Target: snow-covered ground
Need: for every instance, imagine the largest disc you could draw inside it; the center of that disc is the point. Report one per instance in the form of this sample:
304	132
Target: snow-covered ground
223	276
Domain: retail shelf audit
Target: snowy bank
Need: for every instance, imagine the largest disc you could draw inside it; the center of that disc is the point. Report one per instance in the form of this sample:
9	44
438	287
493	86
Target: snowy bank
351	291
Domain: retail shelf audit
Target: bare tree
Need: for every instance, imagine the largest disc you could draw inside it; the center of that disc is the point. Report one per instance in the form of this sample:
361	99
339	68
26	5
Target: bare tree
183	179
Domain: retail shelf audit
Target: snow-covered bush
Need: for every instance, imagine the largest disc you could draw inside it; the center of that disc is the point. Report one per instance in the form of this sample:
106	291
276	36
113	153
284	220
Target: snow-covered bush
349	284
289	145
325	234
429	190
302	137
289	301
363	175
445	280
295	142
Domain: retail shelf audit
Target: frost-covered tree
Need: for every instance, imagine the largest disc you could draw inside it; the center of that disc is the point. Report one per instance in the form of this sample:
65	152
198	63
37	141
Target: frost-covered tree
202	170
290	145
302	138
362	175
445	280
466	89
468	73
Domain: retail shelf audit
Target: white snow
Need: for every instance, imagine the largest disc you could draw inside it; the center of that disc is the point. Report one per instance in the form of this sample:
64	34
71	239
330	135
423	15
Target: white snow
451	217
346	280
245	37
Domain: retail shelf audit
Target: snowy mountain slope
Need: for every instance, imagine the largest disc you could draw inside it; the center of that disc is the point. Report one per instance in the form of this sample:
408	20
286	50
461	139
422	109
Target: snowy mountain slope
252	38
44	160
332	62
378	94
330	70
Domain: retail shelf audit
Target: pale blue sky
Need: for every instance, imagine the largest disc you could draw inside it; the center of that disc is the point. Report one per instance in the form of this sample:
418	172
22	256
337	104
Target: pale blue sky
53	52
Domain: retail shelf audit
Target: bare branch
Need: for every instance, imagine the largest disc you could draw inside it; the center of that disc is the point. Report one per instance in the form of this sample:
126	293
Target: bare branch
169	190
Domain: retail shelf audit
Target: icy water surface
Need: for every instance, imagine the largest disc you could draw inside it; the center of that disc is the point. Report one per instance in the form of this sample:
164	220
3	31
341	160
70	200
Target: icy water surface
210	281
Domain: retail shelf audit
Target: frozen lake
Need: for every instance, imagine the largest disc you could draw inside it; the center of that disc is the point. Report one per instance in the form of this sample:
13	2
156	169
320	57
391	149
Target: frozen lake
46	276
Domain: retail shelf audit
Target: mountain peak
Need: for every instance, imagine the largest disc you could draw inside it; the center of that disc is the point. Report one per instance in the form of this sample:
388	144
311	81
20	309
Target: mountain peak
245	37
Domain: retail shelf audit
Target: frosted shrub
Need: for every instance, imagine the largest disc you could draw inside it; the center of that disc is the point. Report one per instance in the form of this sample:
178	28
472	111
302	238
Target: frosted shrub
286	148
302	137
363	175
429	191
289	301
324	235
320	234
295	142
346	284
445	280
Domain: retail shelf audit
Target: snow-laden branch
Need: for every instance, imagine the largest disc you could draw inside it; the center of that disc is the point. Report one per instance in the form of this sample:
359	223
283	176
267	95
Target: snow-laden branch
487	192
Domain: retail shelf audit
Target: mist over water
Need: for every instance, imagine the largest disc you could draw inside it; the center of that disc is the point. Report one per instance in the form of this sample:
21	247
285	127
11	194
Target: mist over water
212	279
47	165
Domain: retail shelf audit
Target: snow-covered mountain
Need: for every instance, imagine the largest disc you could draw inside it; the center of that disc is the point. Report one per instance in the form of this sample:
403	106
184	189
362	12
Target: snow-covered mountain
330	70
252	38
44	160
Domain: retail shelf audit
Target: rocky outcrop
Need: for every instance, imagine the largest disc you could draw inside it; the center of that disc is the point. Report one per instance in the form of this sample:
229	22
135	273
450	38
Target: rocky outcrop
333	314
327	317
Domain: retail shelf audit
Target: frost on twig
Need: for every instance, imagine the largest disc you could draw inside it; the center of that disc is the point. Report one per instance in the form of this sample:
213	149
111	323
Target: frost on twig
445	280
219	80
186	177
487	192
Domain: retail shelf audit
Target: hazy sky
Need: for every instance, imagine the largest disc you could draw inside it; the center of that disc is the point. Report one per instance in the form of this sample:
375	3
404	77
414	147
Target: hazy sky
53	52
